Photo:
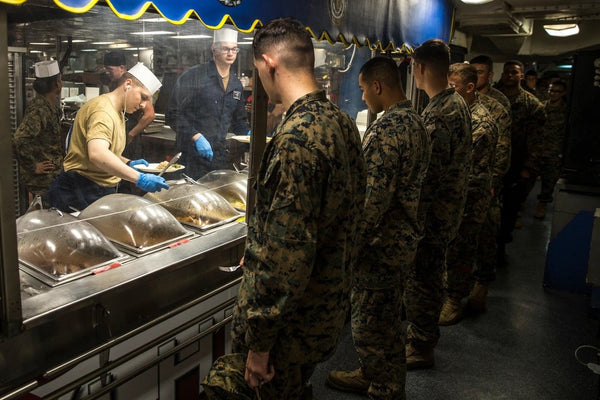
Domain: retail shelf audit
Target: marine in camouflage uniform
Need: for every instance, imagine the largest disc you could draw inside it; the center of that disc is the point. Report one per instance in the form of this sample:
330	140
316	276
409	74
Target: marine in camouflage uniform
487	247
448	122
549	161
38	138
499	97
528	119
461	252
397	150
302	237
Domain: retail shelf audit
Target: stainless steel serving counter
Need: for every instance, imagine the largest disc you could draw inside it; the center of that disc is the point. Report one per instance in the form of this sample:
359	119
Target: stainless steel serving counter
60	323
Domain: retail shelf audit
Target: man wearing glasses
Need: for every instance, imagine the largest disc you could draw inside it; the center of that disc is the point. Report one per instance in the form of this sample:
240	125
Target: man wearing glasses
206	104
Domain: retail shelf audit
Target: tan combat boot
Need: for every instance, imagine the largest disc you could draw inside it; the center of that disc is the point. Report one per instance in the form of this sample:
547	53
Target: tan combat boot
419	357
478	297
452	312
349	381
540	210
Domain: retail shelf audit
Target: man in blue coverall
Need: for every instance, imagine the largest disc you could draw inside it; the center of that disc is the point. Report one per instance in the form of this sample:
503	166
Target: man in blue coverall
207	103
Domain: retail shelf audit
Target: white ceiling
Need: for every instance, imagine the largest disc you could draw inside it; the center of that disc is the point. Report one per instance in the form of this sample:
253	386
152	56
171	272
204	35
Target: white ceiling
515	27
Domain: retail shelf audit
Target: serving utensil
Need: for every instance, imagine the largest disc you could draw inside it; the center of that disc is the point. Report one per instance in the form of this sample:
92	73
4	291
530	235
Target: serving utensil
229	268
173	161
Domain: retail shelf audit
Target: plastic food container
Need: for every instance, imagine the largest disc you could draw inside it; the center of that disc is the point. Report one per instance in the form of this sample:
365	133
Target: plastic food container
232	185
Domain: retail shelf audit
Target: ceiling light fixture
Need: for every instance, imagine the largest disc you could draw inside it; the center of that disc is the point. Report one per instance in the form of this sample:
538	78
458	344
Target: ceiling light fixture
476	1
40	44
191	37
562	30
153	33
102	43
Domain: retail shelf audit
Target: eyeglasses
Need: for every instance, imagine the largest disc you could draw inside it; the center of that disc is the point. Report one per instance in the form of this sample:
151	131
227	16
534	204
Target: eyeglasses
224	49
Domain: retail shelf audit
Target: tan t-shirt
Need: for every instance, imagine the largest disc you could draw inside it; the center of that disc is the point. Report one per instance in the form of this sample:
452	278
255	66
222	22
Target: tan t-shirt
96	119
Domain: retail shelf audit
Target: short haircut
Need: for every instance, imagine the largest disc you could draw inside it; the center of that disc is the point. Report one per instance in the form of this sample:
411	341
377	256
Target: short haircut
45	85
466	72
560	83
514	62
292	40
382	69
482	59
531	72
127	75
435	54
114	58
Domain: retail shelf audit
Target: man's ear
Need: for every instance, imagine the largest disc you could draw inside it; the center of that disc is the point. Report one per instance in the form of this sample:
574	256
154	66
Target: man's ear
270	61
470	87
378	87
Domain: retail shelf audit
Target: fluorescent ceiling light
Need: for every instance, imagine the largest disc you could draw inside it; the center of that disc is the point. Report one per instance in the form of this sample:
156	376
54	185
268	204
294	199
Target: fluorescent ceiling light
101	43
476	1
136	48
119	45
35	51
191	37
157	19
153	33
75	41
41	44
89	50
565	66
562	30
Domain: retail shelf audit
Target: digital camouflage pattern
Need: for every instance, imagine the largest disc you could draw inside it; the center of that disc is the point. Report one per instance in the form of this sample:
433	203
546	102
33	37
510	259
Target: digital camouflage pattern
500	97
501	116
528	119
37	139
461	252
397	150
302	240
551	145
448	122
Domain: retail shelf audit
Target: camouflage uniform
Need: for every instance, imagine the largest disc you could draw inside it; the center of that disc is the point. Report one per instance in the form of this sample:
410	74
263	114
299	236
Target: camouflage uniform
499	97
448	122
528	119
38	139
302	239
461	252
397	150
487	247
549	161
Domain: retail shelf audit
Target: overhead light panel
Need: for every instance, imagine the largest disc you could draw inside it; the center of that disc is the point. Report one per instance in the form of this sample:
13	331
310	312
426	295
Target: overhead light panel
192	37
41	44
153	33
562	30
102	43
476	1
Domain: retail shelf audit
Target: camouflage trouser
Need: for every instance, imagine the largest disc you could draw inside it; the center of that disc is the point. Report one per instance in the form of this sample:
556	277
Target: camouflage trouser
487	247
549	174
423	294
379	339
460	259
225	381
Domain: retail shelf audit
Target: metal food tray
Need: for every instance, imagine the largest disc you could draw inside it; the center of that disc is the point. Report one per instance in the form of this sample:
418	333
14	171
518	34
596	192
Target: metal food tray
142	250
55	280
205	228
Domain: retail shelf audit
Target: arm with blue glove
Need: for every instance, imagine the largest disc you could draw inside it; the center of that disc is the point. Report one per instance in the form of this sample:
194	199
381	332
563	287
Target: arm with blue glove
133	163
151	183
203	147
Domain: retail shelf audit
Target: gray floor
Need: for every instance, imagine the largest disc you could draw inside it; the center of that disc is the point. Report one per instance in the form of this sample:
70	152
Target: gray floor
521	348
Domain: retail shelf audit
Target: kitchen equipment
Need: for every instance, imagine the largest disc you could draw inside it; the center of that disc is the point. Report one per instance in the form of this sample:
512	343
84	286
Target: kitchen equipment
173	161
195	205
232	185
133	222
56	247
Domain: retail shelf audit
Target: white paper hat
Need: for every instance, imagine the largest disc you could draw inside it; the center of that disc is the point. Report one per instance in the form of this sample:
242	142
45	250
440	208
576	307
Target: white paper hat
46	69
144	75
226	35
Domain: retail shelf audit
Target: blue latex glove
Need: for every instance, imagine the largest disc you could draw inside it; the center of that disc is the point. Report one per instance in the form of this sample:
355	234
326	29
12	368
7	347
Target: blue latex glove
151	183
249	132
203	148
141	161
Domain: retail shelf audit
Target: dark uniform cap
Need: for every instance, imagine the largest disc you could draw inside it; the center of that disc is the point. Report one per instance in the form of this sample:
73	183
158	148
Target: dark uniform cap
114	58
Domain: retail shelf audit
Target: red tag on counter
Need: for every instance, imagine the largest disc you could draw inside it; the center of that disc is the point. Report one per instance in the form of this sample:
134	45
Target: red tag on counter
106	268
179	243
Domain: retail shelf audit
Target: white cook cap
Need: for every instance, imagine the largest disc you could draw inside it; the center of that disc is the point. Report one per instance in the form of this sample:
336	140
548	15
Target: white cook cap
225	35
144	75
46	69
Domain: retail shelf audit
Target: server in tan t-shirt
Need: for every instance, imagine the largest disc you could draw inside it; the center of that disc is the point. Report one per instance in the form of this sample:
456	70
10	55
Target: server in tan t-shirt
93	166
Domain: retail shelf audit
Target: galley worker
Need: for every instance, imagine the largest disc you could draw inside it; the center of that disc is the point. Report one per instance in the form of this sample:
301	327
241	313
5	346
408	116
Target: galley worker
93	166
207	102
38	142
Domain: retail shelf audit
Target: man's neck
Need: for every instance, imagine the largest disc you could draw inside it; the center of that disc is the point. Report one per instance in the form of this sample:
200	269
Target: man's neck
511	91
485	89
223	68
433	87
